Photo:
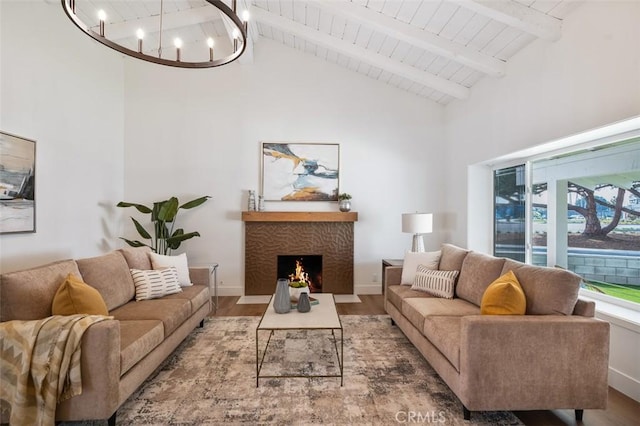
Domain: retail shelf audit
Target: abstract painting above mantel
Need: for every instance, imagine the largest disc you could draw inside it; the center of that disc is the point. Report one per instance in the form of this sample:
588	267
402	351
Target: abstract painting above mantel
17	184
300	171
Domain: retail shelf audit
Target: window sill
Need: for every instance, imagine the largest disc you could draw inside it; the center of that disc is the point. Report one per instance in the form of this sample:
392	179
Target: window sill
623	316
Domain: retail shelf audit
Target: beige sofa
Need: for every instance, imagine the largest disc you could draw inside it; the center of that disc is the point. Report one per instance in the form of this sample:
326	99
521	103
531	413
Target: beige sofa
119	354
554	357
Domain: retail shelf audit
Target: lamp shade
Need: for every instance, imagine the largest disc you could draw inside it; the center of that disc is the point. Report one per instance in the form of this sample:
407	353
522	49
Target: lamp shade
417	223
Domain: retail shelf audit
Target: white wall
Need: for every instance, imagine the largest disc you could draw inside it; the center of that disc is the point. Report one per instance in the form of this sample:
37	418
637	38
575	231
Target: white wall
589	78
61	89
198	132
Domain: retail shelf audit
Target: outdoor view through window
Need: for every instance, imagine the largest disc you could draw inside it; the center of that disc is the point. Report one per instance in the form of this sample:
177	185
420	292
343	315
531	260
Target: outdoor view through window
596	231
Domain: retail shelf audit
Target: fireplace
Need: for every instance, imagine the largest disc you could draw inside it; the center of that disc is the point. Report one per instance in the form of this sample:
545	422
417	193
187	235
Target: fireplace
305	268
298	234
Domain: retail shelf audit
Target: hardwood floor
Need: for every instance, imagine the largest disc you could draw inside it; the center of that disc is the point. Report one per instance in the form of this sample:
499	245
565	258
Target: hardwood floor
622	410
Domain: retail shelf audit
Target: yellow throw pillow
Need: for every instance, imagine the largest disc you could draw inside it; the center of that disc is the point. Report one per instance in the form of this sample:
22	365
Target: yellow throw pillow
504	296
74	296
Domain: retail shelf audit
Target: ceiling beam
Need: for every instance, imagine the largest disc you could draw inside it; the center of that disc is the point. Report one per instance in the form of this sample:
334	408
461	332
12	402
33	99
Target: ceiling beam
349	49
518	16
415	36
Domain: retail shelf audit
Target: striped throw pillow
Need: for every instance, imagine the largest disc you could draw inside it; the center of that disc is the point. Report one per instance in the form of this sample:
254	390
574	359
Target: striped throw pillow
151	284
438	283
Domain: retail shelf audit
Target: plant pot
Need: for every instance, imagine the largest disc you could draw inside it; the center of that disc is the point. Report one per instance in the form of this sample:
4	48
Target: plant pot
295	292
344	205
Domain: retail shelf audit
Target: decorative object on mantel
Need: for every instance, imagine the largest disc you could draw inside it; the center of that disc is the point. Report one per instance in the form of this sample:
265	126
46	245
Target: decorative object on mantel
282	302
261	203
124	35
344	202
300	171
17	184
251	206
304	305
163	216
417	224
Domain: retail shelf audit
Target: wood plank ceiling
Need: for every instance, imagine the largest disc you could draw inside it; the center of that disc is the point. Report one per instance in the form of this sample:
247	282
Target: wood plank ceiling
436	49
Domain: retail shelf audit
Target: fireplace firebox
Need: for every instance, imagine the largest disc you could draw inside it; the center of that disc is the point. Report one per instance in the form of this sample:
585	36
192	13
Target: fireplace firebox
306	268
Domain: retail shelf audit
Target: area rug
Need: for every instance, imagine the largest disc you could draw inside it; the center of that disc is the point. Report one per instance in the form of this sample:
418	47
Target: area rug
211	380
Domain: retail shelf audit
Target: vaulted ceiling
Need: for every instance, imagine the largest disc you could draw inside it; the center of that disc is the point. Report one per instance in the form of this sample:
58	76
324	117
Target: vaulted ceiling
436	49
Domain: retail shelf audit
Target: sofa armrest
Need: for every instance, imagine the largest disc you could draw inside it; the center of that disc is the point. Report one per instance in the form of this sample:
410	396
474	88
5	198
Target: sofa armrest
100	369
533	362
392	275
200	275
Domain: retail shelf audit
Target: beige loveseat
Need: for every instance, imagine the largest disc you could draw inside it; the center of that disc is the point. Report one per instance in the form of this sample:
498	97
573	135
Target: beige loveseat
119	354
554	357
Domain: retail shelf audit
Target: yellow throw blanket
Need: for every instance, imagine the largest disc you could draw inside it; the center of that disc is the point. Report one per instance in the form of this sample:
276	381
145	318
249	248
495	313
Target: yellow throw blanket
40	365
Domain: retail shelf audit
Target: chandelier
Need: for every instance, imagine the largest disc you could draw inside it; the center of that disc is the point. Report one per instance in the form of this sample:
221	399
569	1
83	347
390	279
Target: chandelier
214	34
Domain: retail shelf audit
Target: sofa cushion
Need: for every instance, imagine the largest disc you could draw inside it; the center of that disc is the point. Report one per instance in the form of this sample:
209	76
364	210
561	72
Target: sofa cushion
172	312
74	296
504	296
37	286
159	261
444	333
137	339
478	271
110	275
137	257
197	295
451	257
412	260
437	283
416	309
549	291
152	284
397	293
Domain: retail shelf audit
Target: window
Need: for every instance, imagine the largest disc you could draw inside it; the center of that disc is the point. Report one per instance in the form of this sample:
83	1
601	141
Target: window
509	212
586	217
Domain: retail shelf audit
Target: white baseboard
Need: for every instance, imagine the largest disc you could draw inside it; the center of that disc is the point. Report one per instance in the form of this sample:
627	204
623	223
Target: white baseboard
358	289
624	383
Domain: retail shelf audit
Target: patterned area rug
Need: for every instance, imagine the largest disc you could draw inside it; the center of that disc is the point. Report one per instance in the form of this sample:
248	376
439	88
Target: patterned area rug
210	380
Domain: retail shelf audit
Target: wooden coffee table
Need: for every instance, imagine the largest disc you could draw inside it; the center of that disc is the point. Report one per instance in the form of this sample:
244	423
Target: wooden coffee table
322	316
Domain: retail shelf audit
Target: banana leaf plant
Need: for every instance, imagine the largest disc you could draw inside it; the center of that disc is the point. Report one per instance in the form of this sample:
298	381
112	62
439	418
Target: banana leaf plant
163	216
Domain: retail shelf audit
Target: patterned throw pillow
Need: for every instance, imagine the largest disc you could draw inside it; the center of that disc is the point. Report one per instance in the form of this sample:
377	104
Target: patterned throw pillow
437	283
155	283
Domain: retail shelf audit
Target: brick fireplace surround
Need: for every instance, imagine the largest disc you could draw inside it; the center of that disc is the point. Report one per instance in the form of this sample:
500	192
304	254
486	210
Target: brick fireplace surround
269	234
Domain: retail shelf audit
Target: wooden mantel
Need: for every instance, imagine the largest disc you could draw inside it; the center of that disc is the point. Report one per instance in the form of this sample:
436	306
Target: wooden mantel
299	216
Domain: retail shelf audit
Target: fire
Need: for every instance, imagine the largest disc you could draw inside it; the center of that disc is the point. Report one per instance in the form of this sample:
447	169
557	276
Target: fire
300	275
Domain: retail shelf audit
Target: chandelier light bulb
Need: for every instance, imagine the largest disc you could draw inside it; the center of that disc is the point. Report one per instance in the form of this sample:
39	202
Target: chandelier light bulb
102	16
245	16
210	43
236	33
177	43
140	34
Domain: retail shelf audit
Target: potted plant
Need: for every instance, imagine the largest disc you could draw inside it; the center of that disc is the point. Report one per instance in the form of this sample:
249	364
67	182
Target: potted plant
344	202
163	216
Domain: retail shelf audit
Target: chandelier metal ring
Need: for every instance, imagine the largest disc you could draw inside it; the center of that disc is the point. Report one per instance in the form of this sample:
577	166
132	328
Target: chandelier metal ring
210	62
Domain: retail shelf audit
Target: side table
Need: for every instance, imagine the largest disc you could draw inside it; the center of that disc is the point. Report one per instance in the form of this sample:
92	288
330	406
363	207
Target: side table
214	271
386	263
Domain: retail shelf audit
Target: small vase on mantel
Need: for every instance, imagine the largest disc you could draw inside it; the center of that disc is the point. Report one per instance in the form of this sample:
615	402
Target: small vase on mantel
281	300
345	205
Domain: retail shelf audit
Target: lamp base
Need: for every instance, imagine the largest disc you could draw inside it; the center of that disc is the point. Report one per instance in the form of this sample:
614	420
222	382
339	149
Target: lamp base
418	243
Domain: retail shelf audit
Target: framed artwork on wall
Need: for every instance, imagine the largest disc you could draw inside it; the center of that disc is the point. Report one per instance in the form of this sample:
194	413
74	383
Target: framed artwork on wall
17	184
300	171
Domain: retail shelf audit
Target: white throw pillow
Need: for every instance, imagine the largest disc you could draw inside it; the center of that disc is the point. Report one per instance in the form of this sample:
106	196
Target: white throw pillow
159	261
411	261
151	284
437	283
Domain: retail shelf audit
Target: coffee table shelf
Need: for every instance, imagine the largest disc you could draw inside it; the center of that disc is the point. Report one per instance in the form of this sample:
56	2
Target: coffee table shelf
322	316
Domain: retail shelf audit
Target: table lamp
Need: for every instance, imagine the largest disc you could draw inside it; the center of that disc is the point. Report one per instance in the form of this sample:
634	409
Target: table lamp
417	224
